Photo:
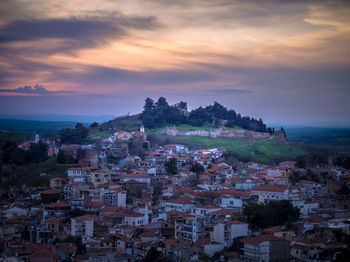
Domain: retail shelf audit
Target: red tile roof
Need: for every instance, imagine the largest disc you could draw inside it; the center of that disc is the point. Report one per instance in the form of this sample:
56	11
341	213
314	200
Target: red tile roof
260	239
271	188
183	201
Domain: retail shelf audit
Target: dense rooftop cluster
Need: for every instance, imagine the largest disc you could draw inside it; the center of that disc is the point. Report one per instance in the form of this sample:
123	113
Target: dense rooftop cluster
177	204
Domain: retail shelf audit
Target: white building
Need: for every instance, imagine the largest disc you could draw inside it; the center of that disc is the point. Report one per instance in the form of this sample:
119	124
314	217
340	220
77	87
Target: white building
226	232
184	205
230	201
136	219
114	197
80	174
271	193
203	211
82	226
142	178
189	227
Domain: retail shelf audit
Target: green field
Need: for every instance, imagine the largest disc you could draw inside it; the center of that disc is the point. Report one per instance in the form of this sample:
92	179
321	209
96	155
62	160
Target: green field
102	134
260	150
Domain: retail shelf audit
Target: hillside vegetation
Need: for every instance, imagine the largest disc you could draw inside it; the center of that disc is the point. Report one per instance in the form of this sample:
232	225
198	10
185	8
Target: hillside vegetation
269	151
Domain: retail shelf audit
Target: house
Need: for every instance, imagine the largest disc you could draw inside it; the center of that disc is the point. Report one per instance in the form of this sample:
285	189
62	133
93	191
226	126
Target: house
82	226
189	227
226	232
176	249
279	231
270	192
136	219
59	209
175	148
50	196
57	182
141	178
80	174
232	198
100	176
288	164
183	205
204	210
308	188
12	211
208	247
265	248
114	197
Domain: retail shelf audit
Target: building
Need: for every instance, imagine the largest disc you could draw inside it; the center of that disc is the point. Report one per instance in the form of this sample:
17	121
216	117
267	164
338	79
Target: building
136	219
265	248
50	196
272	192
189	227
183	205
80	174
114	197
226	232
82	226
99	177
141	178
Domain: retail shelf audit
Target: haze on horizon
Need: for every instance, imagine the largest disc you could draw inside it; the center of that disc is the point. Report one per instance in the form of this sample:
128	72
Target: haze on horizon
283	61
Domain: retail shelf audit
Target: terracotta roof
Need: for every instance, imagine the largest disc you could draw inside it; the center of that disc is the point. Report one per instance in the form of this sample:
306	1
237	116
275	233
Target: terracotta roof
135	215
50	192
93	204
183	201
204	242
53	221
271	188
57	205
174	242
82	219
134	176
222	212
260	239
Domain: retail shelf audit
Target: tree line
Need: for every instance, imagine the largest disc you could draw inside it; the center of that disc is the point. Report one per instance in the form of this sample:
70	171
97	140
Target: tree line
156	114
13	155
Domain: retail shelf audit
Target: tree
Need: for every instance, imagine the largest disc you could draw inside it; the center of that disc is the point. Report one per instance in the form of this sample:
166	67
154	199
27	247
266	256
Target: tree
94	125
272	213
73	136
37	152
301	163
344	190
197	168
170	166
181	105
61	157
152	255
161	103
149	105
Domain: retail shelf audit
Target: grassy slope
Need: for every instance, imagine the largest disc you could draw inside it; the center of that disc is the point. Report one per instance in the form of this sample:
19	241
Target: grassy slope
260	150
30	174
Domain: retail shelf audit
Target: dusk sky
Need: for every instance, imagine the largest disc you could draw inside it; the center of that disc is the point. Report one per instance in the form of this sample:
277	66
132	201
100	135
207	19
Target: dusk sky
284	61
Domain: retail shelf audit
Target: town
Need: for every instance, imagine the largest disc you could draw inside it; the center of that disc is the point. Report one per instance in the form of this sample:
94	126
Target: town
175	203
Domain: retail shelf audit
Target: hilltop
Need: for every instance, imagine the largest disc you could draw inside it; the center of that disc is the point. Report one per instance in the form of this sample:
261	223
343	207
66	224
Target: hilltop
212	126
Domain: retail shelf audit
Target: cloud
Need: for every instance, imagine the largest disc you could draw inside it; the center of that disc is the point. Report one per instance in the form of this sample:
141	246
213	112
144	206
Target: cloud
33	90
68	34
229	91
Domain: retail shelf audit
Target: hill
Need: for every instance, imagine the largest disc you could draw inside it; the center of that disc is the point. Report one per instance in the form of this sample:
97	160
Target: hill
268	149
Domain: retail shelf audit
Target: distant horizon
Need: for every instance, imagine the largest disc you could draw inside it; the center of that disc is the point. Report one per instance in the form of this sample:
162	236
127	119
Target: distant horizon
106	117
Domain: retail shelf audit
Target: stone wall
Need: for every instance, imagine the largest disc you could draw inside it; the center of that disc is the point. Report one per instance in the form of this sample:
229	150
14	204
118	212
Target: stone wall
220	132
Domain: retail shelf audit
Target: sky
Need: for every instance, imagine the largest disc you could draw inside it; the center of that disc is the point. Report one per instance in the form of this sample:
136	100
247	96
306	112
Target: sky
284	61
